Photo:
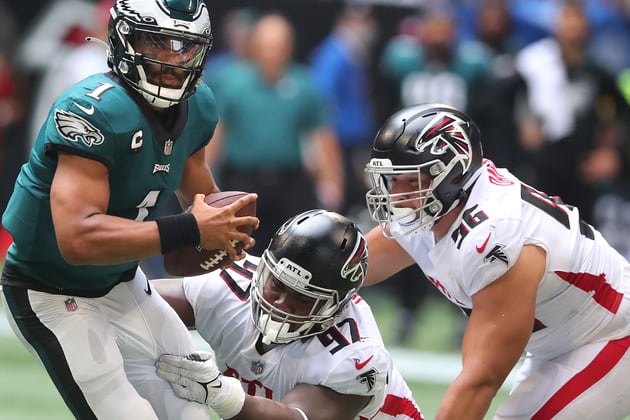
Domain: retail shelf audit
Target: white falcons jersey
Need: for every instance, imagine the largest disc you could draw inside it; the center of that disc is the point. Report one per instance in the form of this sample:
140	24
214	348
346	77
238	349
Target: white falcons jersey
583	296
349	358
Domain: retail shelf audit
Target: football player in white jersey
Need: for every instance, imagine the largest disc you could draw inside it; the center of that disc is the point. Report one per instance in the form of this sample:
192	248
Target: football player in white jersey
291	336
529	273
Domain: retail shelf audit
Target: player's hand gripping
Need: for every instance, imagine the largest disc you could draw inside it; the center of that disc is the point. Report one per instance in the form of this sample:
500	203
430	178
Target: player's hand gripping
218	227
196	377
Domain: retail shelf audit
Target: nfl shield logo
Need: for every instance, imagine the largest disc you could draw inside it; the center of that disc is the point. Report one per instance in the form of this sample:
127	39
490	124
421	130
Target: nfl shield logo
168	147
71	305
257	367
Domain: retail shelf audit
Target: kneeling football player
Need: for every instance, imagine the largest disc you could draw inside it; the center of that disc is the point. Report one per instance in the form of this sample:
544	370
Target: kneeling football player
291	337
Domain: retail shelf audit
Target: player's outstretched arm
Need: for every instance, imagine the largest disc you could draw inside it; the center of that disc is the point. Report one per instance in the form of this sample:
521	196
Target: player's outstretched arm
385	257
197	378
172	291
499	327
314	401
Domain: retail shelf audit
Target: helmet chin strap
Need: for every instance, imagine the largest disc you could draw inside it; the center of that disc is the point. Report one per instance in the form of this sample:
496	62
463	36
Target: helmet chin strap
150	93
160	96
464	192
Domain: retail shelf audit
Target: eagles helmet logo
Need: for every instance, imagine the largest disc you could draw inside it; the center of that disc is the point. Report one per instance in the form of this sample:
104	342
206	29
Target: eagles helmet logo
75	128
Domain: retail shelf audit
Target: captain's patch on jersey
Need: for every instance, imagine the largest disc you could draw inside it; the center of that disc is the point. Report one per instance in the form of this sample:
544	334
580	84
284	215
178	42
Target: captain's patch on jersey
75	128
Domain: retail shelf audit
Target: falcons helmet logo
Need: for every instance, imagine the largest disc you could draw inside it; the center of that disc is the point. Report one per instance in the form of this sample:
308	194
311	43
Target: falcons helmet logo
355	268
75	128
446	134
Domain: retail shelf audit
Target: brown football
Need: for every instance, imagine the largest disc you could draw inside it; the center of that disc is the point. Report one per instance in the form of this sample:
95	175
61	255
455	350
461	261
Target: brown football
197	260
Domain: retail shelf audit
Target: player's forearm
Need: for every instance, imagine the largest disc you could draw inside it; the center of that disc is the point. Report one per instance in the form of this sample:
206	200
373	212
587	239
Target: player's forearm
386	257
102	239
258	408
196	179
465	402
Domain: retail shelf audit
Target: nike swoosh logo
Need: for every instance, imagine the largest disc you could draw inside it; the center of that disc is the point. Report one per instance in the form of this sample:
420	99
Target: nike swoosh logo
481	248
88	111
360	365
148	289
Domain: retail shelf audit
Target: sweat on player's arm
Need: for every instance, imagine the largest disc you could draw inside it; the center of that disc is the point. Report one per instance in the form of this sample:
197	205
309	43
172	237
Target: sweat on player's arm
291	337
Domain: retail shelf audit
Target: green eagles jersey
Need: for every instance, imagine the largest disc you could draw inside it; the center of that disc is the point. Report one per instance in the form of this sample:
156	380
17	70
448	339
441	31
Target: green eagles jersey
100	119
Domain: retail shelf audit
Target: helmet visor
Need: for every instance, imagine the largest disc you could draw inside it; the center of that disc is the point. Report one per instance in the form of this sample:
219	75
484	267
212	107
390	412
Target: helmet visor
177	51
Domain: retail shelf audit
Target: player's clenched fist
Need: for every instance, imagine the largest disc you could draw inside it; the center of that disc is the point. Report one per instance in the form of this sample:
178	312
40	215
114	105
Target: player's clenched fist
196	377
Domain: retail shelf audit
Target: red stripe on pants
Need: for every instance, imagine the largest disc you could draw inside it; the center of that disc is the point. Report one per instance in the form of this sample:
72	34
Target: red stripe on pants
583	380
395	406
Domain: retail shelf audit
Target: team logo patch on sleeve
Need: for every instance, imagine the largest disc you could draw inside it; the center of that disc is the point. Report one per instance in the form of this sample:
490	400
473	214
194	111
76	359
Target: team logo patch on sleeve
75	128
368	378
497	254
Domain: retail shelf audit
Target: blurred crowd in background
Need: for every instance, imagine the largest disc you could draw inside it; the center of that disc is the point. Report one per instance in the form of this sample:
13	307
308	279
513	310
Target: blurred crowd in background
303	85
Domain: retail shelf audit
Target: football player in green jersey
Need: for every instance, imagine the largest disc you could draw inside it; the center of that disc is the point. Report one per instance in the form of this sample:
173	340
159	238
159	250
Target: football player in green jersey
83	213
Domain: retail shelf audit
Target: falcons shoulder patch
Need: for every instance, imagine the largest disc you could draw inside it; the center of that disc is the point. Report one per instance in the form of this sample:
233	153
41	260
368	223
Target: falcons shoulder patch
368	378
75	128
497	254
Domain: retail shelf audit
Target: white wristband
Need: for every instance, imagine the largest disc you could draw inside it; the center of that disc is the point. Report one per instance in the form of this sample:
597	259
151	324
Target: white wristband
232	398
302	413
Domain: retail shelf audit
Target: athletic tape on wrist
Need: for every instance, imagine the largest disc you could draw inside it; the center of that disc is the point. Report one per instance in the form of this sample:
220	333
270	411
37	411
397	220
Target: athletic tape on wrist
178	231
